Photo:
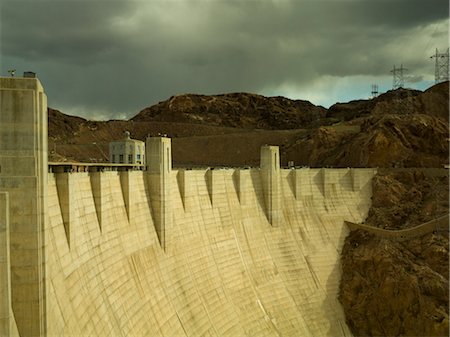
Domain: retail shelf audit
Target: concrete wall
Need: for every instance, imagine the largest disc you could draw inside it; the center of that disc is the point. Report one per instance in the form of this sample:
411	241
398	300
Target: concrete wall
163	252
226	271
7	324
23	174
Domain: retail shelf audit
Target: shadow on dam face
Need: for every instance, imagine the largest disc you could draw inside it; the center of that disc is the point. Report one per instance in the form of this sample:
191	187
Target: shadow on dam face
162	252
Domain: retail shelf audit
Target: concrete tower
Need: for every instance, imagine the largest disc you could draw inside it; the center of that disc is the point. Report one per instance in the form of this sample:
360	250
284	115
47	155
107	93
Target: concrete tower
270	175
23	175
159	170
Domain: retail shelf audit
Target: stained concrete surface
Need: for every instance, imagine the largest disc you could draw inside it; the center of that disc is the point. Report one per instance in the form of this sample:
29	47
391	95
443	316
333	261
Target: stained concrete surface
225	272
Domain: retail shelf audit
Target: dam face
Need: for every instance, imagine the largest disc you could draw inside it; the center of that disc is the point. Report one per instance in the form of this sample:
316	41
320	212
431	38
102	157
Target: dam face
163	252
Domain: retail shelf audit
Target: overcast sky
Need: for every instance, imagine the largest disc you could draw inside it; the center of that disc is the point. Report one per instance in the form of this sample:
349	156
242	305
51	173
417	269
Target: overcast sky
106	59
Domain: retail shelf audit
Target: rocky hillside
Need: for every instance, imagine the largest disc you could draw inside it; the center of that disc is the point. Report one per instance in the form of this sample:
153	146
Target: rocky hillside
240	110
404	198
389	140
401	128
433	102
391	288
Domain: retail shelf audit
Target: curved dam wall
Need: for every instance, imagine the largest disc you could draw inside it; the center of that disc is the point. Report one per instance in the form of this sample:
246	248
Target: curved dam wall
114	251
225	271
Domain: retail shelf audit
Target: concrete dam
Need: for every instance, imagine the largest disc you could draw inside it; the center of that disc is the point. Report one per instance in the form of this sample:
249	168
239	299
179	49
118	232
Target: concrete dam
113	250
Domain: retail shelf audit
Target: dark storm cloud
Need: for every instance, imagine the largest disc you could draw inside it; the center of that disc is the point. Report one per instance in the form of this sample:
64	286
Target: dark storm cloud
74	30
106	57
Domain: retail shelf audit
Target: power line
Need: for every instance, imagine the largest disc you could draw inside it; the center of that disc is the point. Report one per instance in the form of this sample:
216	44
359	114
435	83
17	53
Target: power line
374	91
398	77
440	66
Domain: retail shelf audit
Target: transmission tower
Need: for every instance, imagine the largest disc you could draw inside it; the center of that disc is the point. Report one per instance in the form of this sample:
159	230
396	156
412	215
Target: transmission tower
441	66
374	91
398	79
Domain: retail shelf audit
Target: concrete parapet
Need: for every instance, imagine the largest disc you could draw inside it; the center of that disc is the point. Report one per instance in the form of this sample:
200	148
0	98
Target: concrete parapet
23	174
270	176
159	169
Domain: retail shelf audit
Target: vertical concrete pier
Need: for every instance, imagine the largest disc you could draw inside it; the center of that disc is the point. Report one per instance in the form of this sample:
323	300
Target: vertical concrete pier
270	176
23	174
6	319
159	170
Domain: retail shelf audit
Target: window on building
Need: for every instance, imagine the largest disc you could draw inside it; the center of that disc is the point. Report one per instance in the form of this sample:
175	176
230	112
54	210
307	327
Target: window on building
138	156
121	158
113	158
130	158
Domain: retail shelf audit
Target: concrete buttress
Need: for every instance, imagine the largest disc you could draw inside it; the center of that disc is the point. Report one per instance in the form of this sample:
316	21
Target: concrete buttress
270	175
65	186
97	186
159	170
128	190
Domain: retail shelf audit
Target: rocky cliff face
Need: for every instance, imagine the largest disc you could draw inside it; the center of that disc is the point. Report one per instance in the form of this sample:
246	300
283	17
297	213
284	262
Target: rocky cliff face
393	288
403	199
390	140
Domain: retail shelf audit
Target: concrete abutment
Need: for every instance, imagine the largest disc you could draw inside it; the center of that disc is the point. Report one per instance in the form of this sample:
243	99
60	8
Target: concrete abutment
7	324
23	174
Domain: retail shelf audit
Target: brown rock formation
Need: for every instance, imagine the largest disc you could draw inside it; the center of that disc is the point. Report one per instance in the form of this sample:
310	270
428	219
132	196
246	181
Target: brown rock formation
390	140
391	288
241	110
395	289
